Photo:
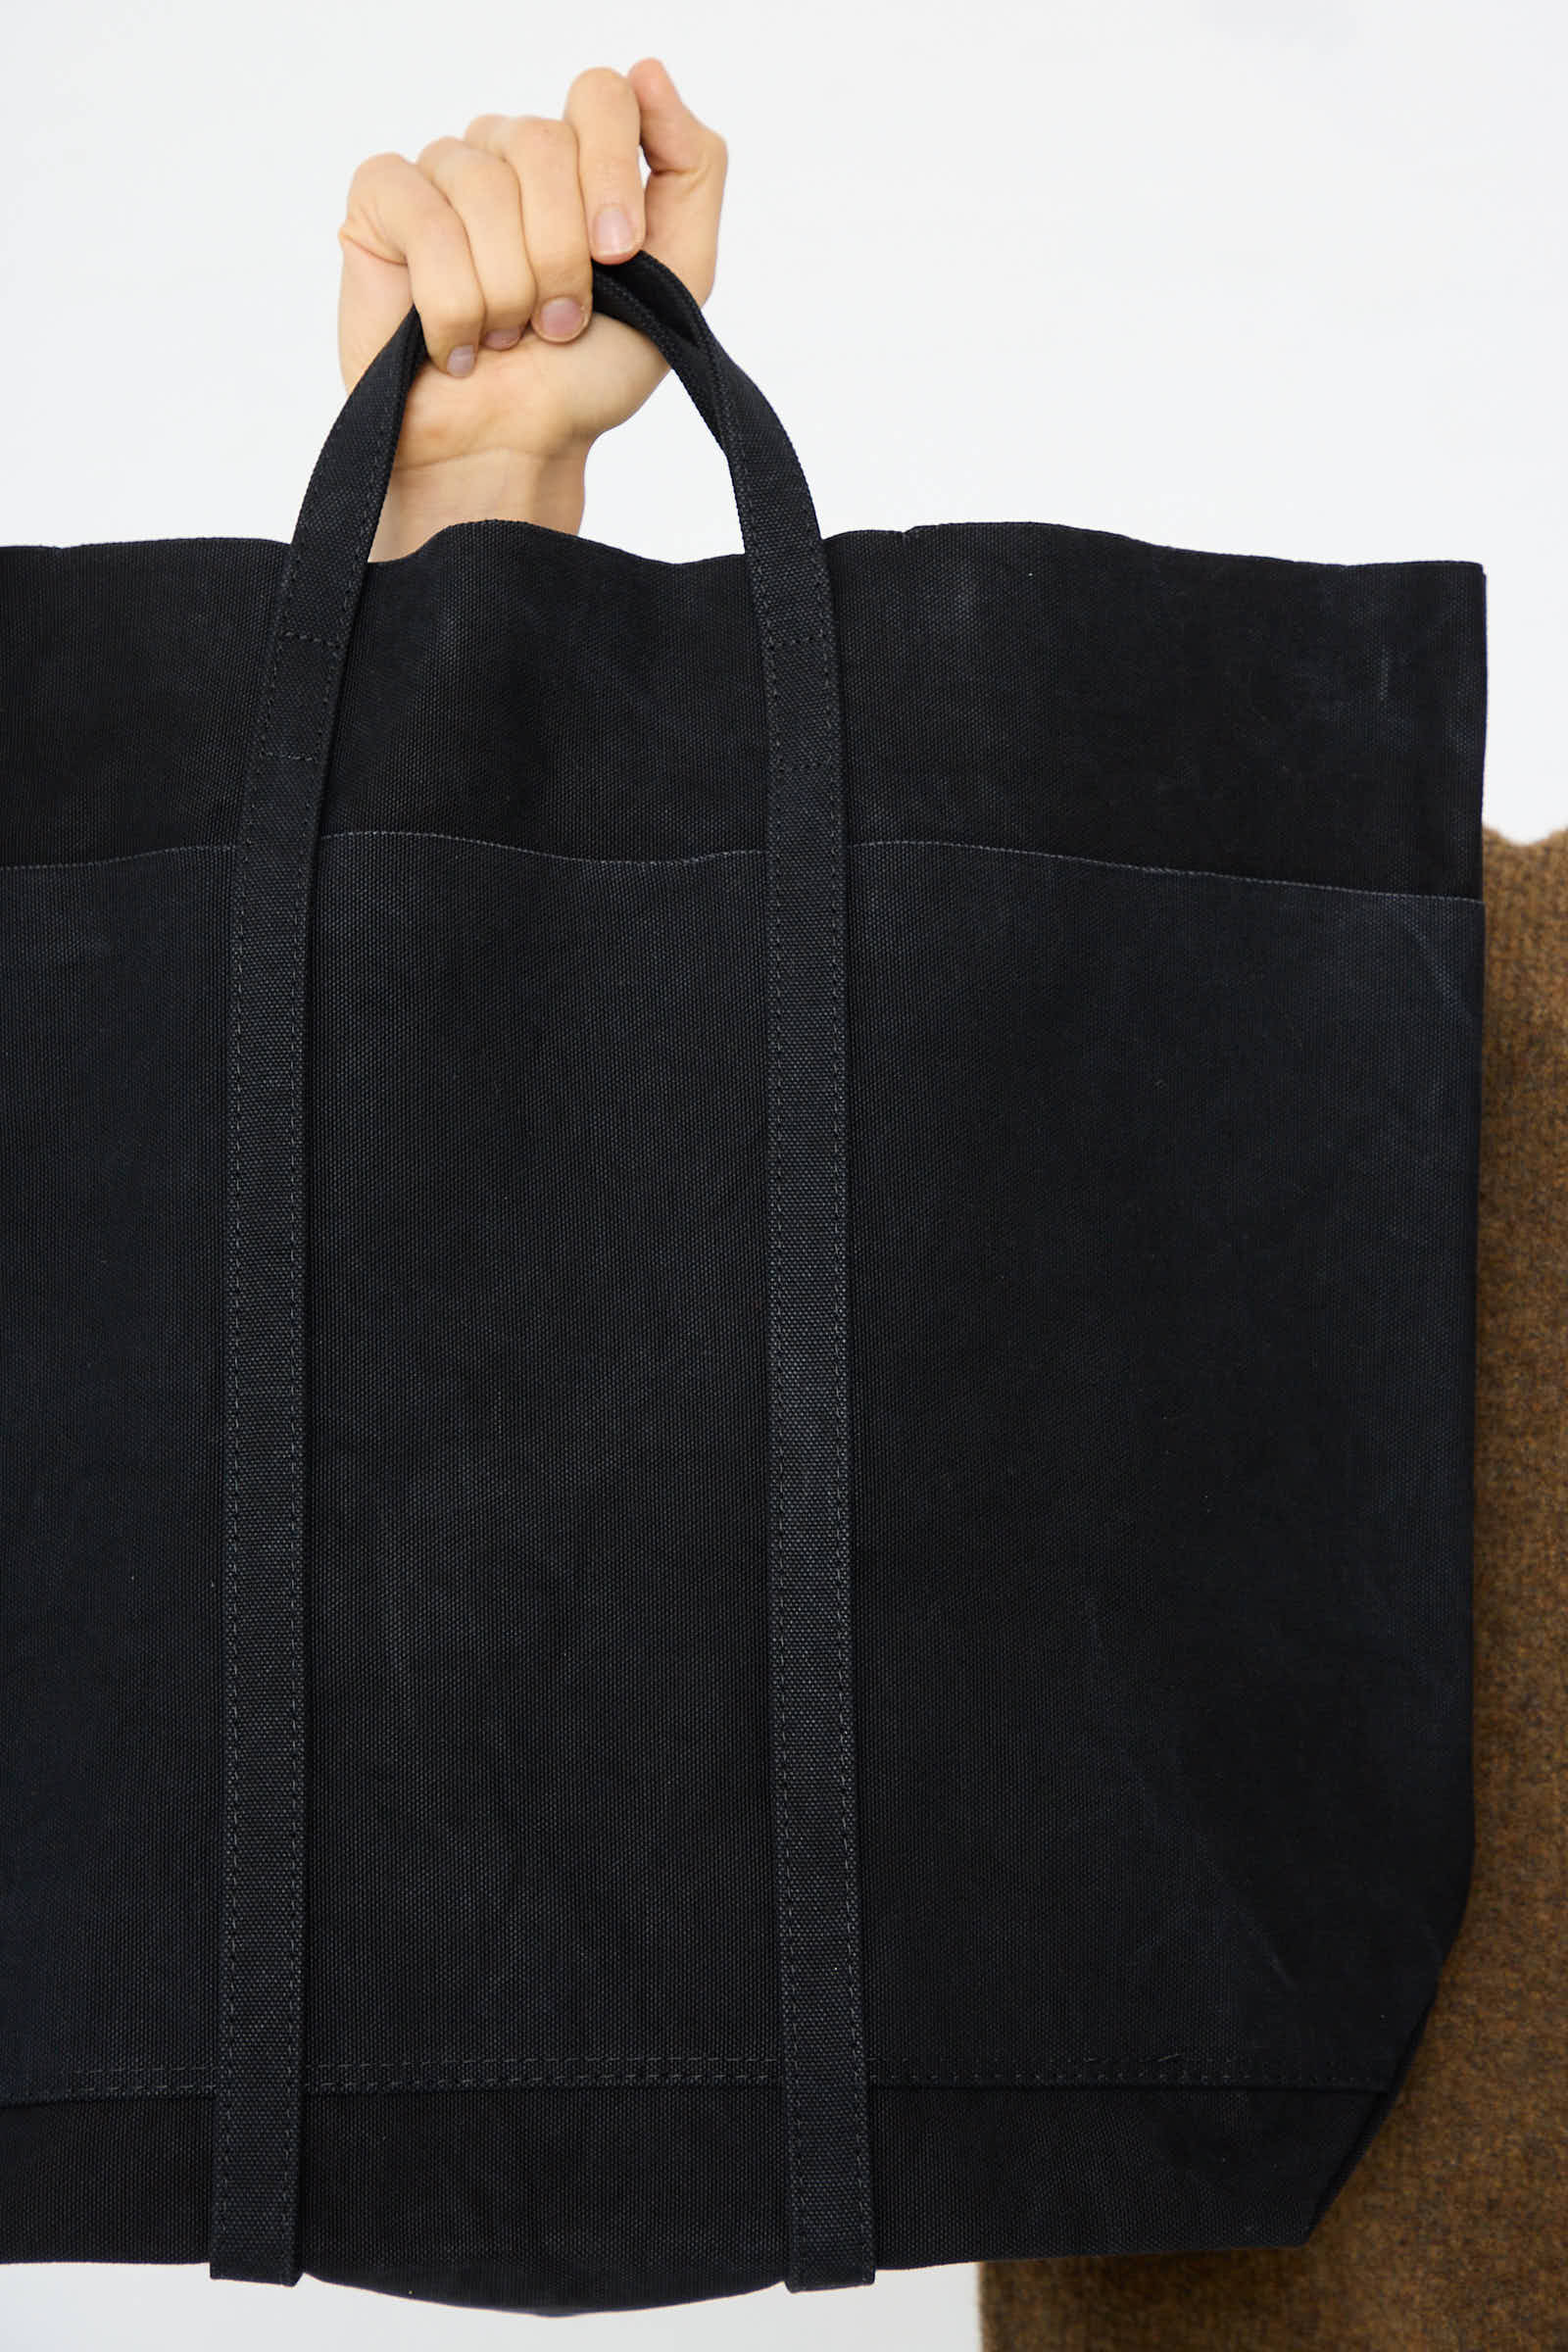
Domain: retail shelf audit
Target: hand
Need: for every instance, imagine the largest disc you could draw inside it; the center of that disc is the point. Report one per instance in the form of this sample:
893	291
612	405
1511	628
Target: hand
492	237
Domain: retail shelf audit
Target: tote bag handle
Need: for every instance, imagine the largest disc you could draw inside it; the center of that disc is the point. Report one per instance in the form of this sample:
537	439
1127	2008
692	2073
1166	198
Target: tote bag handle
258	2112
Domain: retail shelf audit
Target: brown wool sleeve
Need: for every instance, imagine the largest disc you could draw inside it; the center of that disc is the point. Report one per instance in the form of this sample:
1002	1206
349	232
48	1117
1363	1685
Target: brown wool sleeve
1453	2230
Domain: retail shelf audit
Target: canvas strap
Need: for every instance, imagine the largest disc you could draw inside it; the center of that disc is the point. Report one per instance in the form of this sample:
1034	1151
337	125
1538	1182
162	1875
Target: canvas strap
811	1615
261	2005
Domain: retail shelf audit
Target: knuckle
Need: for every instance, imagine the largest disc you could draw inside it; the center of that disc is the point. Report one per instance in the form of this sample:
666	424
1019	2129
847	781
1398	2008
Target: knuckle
597	82
438	151
479	168
515	299
371	169
450	303
462	172
542	135
447	307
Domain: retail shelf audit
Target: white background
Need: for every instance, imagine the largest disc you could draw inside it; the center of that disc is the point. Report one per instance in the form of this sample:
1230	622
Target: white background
1278	277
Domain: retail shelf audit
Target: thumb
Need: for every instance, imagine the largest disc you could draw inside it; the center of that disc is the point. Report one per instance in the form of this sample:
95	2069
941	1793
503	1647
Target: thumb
687	162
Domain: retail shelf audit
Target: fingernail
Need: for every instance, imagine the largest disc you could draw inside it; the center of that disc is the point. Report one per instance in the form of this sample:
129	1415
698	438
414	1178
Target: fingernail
502	338
460	361
612	229
560	318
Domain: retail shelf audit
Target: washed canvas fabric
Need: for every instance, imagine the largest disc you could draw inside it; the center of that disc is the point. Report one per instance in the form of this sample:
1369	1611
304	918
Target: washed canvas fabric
1452	2233
416	1871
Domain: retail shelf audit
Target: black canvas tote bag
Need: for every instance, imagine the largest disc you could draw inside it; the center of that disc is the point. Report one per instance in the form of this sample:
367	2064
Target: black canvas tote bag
738	1378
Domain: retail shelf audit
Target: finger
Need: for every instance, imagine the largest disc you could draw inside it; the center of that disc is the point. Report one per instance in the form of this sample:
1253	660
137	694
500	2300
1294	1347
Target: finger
482	190
397	216
540	156
687	163
603	110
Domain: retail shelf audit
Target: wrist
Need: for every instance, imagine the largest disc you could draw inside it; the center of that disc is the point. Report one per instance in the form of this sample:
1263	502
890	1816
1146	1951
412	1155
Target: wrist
499	484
